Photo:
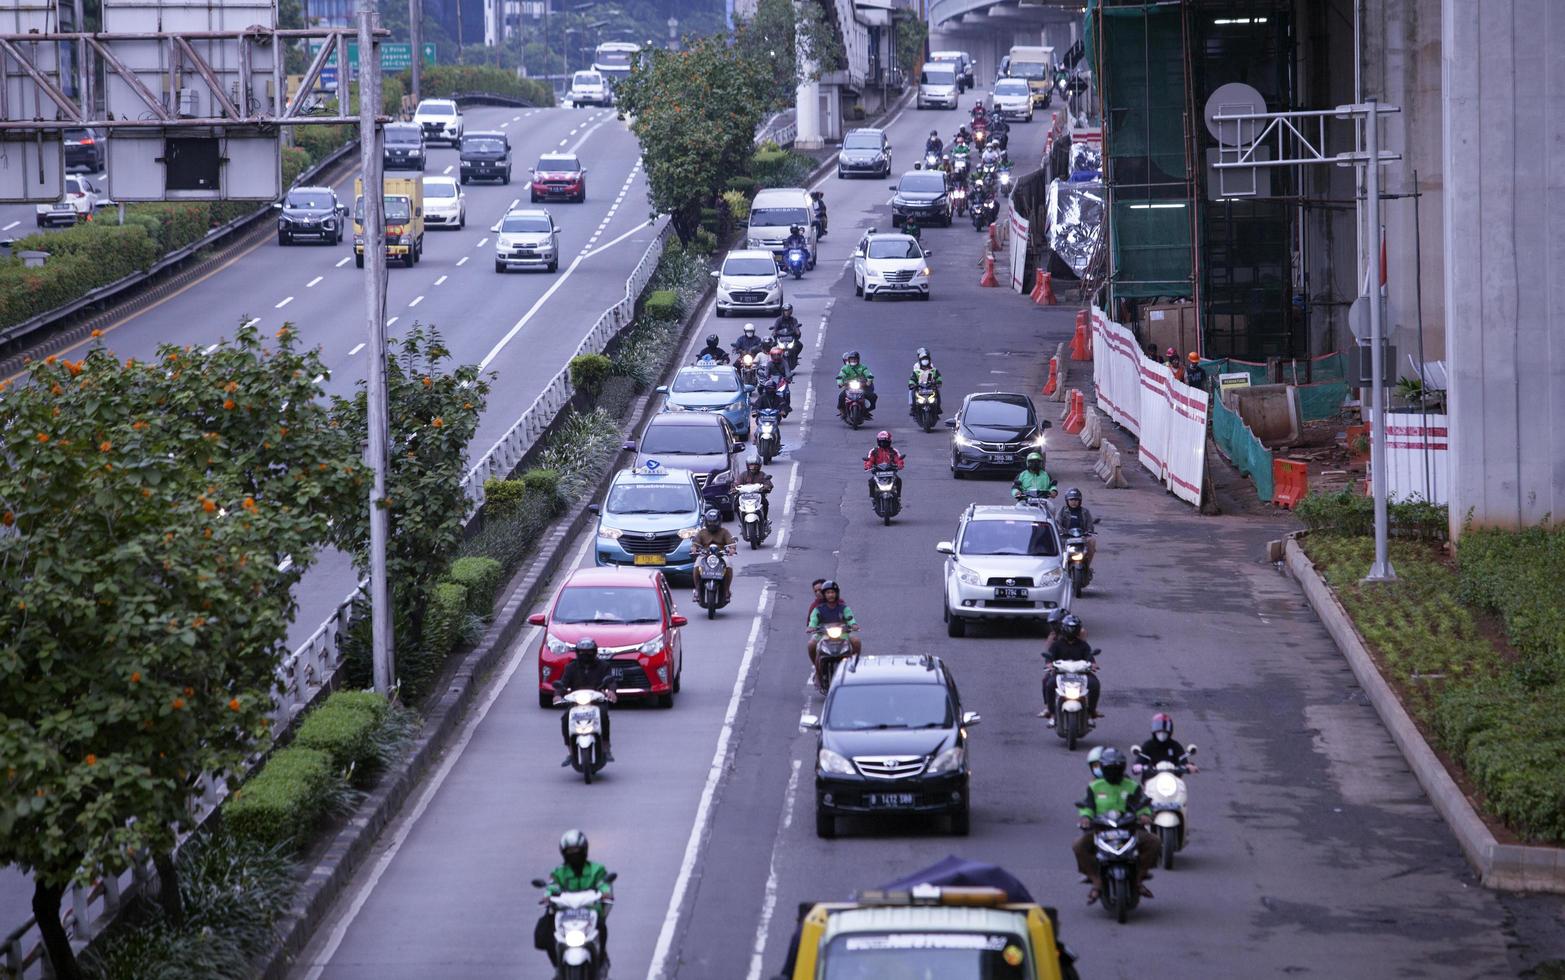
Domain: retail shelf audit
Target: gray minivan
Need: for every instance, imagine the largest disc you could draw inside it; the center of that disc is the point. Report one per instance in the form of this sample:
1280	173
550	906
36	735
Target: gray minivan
939	85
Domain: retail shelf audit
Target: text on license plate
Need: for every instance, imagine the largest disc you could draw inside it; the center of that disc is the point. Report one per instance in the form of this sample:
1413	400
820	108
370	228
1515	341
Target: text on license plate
651	560
1010	593
888	799
1002	457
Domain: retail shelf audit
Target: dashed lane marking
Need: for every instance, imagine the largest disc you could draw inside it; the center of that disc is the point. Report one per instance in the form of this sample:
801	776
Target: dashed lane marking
355	350
416	300
283	303
440	280
343	261
312	282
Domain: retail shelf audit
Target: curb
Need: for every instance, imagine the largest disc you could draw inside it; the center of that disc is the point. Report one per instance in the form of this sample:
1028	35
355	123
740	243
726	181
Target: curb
1505	867
346	852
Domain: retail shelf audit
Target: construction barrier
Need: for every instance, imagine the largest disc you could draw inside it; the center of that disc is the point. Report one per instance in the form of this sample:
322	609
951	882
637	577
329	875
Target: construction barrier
1058	394
1017	228
988	277
1037	288
1109	467
1290	481
1046	294
1092	429
1075	412
1079	342
1050	386
1240	447
1417	456
1166	415
994	236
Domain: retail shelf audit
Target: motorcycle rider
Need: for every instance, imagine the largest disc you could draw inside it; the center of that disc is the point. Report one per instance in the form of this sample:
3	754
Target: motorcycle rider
787	328
999	131
576	874
754	474
713	349
1095	761
748	342
713	532
1076	515
1068	644
1118	792
767	396
1161	747
1034	477
934	145
818	209
979	114
797	240
852	370
991	156
831	610
925	374
590	670
884	452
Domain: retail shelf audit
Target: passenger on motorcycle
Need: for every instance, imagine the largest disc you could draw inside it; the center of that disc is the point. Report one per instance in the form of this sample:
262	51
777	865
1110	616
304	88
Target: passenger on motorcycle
852	370
797	240
754	474
979	114
818	209
831	610
591	669
787	327
933	144
748	342
713	349
1076	515
1068	644
1117	792
576	874
1034	477
713	532
1161	747
925	374
884	453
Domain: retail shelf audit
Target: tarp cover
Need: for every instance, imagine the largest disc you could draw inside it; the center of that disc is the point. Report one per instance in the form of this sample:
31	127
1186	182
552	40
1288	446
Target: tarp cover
1075	222
960	871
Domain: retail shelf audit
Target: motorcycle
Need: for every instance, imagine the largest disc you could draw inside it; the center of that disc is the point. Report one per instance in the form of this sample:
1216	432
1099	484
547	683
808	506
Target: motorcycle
980	134
832	649
959	201
584	724
709	572
578	947
854	407
926	407
931	160
747	370
1076	560
818	210
1005	180
792	348
888	501
794	261
753	525
1114	838
959	167
984	211
1072	718
768	433
1164	786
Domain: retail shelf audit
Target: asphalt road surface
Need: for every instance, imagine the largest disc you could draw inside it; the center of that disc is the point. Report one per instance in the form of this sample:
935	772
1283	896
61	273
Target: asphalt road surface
1313	850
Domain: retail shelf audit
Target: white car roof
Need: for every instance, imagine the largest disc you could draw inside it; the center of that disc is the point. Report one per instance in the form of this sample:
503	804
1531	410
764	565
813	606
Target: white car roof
440	102
437	179
748	253
525	212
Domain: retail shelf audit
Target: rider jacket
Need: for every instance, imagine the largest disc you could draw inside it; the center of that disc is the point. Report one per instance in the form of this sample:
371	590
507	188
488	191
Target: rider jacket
796	241
826	614
925	376
1073	517
880	455
1124	796
1063	649
767	396
1028	480
1153	751
763	478
934	146
715	353
748	345
787	327
585	675
850	372
592	877
720	537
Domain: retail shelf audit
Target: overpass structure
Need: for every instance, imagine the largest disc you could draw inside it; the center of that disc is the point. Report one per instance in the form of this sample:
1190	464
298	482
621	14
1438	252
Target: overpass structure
986	29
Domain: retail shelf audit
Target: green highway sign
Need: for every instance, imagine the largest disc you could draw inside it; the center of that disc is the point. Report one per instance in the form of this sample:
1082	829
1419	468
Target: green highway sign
394	57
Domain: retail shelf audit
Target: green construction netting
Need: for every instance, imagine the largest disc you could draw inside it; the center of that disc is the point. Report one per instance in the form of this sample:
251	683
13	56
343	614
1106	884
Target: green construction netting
1143	85
1151	249
1321	400
1238	444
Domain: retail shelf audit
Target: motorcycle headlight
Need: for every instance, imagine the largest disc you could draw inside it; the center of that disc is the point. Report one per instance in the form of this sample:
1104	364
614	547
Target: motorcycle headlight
951	760
967	576
1078	556
609	533
856	385
834	632
1051	577
652	646
557	645
686	533
575	938
830	762
1165	785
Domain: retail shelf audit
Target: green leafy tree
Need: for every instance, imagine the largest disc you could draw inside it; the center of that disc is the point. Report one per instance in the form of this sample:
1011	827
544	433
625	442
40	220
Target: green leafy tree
776	37
695	113
433	415
145	509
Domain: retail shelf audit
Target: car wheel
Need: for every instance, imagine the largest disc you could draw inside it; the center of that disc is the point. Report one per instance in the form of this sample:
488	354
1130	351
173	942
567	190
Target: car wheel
719	312
923	297
507	178
858	290
554	266
961	821
545	699
462	179
840	174
869	297
535	197
461	222
499	266
666	701
282	238
956	626
678	677
825	825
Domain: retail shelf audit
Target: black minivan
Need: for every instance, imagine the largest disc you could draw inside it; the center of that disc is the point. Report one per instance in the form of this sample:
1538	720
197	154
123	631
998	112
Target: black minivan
486	156
403	147
893	740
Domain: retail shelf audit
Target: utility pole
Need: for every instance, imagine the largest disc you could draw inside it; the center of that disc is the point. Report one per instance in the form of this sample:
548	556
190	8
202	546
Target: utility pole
459	31
1381	570
416	35
384	657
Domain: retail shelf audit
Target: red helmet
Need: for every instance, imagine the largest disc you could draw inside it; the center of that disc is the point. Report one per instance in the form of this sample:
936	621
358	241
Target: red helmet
1163	722
883	439
1171	353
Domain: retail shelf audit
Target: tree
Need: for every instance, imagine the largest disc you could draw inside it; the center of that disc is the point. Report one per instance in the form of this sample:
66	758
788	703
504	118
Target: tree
145	509
695	113
788	37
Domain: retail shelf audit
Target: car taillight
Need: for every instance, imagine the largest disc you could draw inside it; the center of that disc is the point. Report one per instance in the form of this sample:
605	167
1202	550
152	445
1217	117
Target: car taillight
87	141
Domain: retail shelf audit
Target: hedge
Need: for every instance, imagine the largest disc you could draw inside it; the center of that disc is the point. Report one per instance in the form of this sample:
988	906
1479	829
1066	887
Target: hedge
589	371
1520	576
282	803
1346	512
481	578
368	702
443	81
341	729
81	259
443	619
661	304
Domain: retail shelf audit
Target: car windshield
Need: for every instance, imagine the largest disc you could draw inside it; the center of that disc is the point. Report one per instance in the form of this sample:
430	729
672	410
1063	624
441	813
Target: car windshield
515	223
894	248
699	380
1012	87
309	199
652	498
395	208
1010	537
1027	69
861	707
861	141
403	134
436	109
564	164
997	411
607	604
79	134
439	189
749	267
939	74
923	183
482	144
684	440
778	217
587	78
948	955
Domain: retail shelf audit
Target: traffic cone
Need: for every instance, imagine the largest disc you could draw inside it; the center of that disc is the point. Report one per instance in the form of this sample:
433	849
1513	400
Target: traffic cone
1037	289
1079	343
988	279
1054	376
1048	291
1076	413
994	240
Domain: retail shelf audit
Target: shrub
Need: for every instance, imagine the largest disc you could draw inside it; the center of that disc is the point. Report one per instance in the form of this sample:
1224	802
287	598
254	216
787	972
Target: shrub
509	534
738	205
661	304
481	578
1346	512
742	184
710	220
443	619
773	166
444	81
321	142
80	259
1520	576
543	481
342	730
280	805
589	371
502	497
702	242
364	701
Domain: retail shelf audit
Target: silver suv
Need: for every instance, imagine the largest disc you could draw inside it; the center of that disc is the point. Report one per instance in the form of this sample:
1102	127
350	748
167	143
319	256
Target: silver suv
1006	563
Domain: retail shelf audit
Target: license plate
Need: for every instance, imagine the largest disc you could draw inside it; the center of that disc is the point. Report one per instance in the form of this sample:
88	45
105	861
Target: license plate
651	560
888	799
1003	458
1010	593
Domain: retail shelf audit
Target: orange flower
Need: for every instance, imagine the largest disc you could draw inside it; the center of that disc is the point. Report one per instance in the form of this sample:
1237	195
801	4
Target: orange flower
178	704
92	760
43	437
249	503
228	403
75	368
231	387
190	692
8	518
146	491
105	446
49	360
437	422
135	677
428	381
130	362
97	333
199	621
208	505
55	389
138	425
21	605
282	430
233	704
282	332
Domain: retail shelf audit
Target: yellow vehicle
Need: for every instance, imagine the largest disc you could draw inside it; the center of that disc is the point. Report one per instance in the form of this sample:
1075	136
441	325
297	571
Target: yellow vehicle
1036	65
928	931
403	200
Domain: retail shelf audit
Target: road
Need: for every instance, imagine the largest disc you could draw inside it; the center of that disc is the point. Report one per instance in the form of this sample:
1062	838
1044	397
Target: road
1310	839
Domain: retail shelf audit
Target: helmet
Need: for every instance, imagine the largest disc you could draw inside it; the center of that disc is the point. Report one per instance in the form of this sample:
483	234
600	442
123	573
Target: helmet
921	354
851	355
1113	763
787	309
1094	758
1163	726
830	585
1035	457
769	383
573	848
1072	496
712	340
749	331
1195	358
777	352
883	439
934	134
1171	354
712	518
753	458
586	648
1070	626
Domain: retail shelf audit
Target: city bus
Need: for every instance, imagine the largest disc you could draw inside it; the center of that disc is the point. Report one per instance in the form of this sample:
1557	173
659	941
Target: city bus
614	59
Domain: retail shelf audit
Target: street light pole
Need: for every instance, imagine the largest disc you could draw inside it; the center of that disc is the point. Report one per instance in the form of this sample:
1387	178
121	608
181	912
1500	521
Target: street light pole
1381	570
416	35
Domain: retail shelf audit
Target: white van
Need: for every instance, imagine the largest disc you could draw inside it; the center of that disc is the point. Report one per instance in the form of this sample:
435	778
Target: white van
590	88
939	85
774	212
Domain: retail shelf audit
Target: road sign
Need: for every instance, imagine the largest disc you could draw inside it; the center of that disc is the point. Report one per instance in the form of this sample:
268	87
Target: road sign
394	57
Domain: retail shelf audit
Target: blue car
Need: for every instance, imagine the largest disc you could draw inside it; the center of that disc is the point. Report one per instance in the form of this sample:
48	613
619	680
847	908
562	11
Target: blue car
648	518
710	388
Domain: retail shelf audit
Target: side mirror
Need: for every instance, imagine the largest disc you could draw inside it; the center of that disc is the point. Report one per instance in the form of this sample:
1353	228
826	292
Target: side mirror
628	446
342	209
540	883
928	252
1046	424
537	619
662	389
1190	749
892	186
495	229
738	447
950	423
858	253
594	509
715	274
946	548
1097	652
611	876
971	718
1096	521
677	620
277	206
810	723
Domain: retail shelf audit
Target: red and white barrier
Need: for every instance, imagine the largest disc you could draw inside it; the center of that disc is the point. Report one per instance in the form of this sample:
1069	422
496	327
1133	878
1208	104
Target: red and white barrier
1167	416
1418	456
1018	229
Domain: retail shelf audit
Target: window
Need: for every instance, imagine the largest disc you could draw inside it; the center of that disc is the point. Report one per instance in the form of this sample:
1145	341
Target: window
861	141
949	955
778	217
395	209
591	604
923	183
437	109
1028	69
565	164
998	412
684	440
1018	537
315	200
525	223
482	144
404	134
439	189
587	79
894	248
749	267
692	381
651	498
1011	87
862	707
939	74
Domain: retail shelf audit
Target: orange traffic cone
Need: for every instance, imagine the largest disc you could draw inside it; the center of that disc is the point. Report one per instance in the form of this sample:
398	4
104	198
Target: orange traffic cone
1054	376
1076	414
994	239
1079	343
988	279
1037	289
1048	291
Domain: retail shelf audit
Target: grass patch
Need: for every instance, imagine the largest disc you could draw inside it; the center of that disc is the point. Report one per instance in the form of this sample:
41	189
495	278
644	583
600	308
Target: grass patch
578	449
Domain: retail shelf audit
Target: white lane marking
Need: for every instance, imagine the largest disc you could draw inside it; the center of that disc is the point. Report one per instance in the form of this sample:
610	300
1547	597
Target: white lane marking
514	202
584	136
704	809
393	321
608	245
613	208
319	378
283	303
10	226
400	836
483	241
769	901
447	170
416	300
251	322
504	125
210	349
463	260
440	280
515	118
356	349
343	261
781	547
562	142
312	282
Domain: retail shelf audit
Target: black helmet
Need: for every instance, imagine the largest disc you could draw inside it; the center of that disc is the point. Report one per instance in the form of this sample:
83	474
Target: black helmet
753	459
769	383
712	340
573	848
712	518
830	585
1070	626
1112	763
934	134
851	355
586	648
1072	496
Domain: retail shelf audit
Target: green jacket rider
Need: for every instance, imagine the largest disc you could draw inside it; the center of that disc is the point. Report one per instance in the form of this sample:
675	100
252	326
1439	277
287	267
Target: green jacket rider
1034	477
853	370
576	874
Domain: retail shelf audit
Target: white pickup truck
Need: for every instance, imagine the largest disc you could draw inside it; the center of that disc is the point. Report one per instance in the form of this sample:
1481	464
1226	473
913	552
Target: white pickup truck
81	198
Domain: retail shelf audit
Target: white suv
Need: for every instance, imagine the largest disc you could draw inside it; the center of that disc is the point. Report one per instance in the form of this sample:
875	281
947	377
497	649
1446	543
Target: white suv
890	263
80	200
590	88
748	283
1006	563
441	121
526	238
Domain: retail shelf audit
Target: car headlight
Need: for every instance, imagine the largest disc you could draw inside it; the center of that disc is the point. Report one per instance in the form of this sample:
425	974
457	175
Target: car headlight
652	646
963	441
686	533
609	533
556	645
575	938
924	272
830	762
1051	577
951	760
1038	439
967	576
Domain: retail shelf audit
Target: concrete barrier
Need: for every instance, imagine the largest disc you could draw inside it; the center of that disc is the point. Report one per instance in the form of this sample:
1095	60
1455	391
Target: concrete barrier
1109	467
1092	429
1059	388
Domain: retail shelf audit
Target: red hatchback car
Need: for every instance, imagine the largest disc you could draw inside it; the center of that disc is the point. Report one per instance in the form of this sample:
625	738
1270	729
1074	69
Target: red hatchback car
630	613
559	177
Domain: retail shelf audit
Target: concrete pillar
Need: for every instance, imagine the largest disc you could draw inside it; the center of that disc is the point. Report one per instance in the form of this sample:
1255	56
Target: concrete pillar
1503	67
808	103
